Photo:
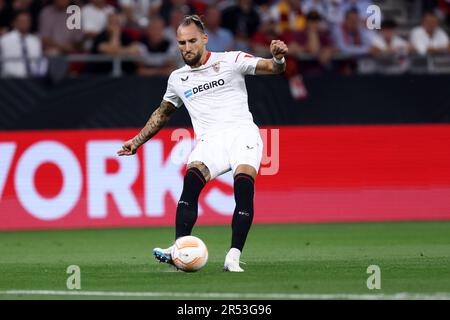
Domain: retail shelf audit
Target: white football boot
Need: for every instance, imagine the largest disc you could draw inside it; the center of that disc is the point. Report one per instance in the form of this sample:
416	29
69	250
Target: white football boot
232	261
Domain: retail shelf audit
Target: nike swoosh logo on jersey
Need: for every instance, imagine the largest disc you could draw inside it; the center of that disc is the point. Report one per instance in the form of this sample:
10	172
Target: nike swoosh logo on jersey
185	79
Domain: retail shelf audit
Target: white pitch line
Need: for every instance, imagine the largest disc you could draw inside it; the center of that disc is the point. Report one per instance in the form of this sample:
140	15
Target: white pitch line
220	295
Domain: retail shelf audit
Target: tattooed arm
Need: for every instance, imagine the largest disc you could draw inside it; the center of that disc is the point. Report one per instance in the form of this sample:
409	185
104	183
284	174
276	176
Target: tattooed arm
276	65
157	120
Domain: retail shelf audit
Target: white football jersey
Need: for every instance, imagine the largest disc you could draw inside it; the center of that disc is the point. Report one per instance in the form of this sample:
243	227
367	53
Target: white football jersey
214	93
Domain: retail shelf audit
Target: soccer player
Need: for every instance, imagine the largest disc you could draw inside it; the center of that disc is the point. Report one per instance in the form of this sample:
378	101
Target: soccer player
211	85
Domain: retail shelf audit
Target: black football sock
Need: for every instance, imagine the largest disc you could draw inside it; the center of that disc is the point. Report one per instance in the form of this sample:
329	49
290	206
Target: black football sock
187	209
244	189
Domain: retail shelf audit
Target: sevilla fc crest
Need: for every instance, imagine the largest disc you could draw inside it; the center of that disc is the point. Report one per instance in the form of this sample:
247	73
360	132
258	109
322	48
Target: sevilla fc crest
216	66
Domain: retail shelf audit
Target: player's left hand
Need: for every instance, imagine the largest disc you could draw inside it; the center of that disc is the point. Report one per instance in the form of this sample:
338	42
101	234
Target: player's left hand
128	149
278	49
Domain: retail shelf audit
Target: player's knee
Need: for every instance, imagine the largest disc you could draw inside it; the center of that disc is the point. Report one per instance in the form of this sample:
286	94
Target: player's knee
202	168
194	176
246	169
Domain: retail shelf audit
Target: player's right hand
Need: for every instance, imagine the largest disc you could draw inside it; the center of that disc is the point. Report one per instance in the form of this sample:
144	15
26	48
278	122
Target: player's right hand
128	149
278	49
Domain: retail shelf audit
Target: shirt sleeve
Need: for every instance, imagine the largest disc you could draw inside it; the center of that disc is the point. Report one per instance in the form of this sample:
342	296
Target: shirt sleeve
171	96
244	63
88	21
418	42
378	43
442	41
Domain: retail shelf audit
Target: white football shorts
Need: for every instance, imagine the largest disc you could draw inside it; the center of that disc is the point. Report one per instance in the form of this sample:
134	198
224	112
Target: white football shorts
226	149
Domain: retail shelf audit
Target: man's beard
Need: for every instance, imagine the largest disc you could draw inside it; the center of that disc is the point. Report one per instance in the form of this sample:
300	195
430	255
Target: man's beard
194	61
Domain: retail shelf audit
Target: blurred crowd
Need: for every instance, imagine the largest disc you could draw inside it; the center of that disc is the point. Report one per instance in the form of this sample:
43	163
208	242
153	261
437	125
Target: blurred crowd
317	31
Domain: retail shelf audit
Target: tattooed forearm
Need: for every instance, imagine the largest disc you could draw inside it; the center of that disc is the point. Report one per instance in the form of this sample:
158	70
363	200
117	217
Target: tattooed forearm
157	120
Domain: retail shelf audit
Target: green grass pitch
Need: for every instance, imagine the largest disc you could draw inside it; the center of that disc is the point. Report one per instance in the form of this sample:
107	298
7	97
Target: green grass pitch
282	261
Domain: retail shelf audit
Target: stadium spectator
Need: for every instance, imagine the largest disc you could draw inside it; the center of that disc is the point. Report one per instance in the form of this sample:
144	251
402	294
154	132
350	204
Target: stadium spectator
94	17
170	33
335	10
429	38
19	43
219	39
351	37
169	5
200	6
113	41
261	41
314	41
243	21
358	5
289	15
390	49
441	7
334	14
319	6
33	7
56	37
8	9
158	52
263	8
139	12
388	42
444	6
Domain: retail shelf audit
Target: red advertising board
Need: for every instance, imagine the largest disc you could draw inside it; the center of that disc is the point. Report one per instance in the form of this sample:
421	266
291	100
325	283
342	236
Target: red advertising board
73	179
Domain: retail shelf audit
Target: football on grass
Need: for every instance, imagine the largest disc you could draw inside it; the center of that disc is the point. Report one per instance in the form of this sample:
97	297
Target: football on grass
189	253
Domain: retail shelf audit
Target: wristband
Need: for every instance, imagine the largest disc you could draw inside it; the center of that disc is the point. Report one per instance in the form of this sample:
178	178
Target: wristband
279	61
